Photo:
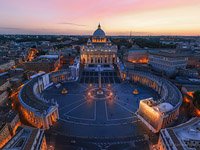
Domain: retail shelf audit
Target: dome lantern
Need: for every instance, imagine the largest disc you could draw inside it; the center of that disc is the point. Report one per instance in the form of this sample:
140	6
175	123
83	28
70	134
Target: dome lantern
99	26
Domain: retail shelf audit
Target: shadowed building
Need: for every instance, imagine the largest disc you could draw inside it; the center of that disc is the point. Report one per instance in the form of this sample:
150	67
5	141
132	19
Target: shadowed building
46	63
8	126
185	136
27	138
168	62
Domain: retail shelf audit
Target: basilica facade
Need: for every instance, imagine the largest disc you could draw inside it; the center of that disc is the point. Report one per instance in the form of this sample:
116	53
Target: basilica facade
99	50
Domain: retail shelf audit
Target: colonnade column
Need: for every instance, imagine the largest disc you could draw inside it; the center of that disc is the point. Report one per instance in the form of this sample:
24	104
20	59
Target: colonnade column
45	123
57	113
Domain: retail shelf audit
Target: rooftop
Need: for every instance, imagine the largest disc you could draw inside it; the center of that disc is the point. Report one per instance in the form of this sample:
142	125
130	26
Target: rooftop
49	56
3	78
164	107
170	53
25	138
184	134
28	97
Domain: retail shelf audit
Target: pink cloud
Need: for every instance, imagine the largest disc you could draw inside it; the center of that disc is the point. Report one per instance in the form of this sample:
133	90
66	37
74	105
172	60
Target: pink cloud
50	13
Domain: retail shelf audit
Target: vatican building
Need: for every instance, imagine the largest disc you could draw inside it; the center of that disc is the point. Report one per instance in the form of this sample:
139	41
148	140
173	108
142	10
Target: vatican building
99	100
99	49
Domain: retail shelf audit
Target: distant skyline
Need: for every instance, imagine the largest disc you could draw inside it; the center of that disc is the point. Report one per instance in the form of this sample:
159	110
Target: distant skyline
117	17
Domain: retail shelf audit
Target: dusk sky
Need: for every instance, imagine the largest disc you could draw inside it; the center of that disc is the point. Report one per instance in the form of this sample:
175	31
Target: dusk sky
117	17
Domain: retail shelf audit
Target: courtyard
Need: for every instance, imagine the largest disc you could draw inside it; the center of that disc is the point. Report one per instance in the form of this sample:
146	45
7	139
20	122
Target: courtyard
107	116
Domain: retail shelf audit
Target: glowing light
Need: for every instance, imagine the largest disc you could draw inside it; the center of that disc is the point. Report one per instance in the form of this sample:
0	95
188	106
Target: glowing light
198	112
32	54
64	91
135	92
190	94
16	126
187	100
140	61
53	118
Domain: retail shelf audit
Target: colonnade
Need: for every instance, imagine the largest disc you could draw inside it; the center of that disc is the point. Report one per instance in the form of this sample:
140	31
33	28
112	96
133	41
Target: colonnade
98	59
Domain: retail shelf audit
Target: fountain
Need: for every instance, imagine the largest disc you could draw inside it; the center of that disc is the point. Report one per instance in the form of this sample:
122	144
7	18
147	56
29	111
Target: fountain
99	93
135	92
64	91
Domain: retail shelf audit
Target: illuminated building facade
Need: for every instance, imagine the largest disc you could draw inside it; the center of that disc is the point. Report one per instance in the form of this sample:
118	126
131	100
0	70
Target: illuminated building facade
40	112
60	76
37	111
159	114
188	93
99	50
138	56
155	116
46	63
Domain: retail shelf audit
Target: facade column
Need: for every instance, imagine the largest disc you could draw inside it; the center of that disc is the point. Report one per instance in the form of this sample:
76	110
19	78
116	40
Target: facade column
110	61
49	118
45	123
86	59
57	113
113	57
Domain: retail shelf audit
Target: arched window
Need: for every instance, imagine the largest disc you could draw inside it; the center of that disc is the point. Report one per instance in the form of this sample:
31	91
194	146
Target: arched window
113	60
91	59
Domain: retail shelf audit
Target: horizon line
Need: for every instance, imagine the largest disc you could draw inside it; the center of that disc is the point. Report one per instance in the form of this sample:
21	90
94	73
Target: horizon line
91	35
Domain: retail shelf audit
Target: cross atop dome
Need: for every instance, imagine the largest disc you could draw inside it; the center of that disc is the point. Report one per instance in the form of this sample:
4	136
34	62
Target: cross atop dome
99	26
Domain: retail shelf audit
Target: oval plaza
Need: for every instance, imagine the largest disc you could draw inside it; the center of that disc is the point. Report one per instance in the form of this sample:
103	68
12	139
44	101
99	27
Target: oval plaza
100	99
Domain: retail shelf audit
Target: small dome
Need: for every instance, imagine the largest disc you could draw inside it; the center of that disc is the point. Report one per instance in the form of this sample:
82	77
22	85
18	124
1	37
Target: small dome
165	107
89	41
99	32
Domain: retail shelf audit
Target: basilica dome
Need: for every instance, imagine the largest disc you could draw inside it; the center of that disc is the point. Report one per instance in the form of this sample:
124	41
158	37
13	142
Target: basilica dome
99	32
